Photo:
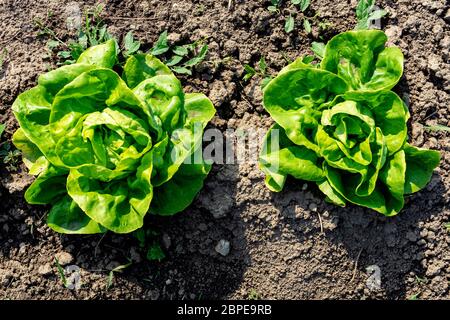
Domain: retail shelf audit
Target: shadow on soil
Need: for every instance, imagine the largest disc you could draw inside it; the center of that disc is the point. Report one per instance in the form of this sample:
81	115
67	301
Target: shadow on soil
372	240
192	268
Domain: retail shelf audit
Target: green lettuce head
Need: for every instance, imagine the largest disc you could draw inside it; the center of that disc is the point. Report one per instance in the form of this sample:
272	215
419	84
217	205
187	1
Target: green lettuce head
339	125
108	149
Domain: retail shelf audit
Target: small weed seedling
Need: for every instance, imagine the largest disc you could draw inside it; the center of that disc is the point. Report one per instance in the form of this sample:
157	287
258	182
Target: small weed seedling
45	30
253	295
447	226
274	6
161	46
117	269
289	24
260	71
62	275
181	59
324	25
91	33
155	253
414	296
420	280
303	4
148	239
9	157
216	64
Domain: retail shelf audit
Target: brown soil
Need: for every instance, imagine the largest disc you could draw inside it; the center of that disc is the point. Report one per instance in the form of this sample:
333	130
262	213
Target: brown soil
278	247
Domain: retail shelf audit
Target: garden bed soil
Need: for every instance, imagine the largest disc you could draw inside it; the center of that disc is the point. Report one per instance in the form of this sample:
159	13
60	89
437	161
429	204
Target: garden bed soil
290	245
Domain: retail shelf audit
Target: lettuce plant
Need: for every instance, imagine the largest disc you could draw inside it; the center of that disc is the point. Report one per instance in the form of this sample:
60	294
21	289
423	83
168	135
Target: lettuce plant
339	125
107	149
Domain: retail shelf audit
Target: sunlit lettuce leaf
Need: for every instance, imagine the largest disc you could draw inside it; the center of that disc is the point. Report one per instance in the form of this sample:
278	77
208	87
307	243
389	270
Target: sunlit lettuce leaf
344	122
363	61
104	148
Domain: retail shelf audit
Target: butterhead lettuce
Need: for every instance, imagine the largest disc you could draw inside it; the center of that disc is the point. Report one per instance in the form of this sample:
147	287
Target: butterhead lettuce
339	125
107	149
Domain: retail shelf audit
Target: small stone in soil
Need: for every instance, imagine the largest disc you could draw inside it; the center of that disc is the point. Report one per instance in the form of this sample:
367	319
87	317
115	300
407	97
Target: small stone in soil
411	236
166	241
45	269
64	258
435	268
447	16
223	247
135	255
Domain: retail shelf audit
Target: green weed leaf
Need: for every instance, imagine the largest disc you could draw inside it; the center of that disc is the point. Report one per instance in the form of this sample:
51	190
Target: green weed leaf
198	58
131	46
174	61
289	24
161	46
307	25
319	49
182	70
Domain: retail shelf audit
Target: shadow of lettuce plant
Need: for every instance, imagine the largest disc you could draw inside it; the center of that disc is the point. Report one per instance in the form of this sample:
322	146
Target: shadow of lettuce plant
339	125
107	149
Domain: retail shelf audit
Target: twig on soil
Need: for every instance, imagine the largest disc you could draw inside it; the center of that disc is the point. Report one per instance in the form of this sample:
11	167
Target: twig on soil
98	270
47	31
243	96
42	216
429	116
321	223
132	18
230	3
7	287
98	243
12	38
356	265
246	100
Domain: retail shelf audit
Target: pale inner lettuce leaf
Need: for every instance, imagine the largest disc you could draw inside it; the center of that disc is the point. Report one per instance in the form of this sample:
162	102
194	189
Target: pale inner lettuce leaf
362	60
294	101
